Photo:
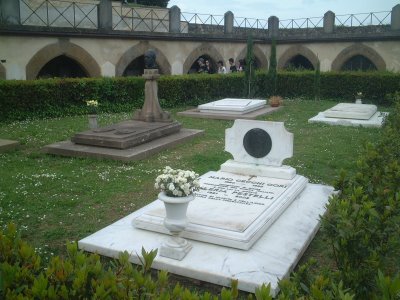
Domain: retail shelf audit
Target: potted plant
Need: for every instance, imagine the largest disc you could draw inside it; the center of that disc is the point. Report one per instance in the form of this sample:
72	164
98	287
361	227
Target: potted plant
359	96
92	106
177	188
275	101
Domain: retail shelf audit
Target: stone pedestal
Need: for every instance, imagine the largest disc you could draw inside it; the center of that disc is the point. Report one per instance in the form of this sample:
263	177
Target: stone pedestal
151	110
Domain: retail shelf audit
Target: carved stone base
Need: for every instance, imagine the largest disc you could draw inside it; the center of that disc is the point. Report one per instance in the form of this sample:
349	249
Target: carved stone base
175	248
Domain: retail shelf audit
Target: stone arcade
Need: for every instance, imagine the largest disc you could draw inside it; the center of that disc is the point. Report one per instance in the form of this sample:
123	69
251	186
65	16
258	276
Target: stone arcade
251	221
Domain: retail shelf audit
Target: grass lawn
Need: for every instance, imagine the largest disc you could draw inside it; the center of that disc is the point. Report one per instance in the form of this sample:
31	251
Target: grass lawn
55	199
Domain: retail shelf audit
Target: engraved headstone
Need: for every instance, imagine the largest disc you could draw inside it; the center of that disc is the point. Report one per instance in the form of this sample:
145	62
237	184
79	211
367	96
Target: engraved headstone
235	208
273	218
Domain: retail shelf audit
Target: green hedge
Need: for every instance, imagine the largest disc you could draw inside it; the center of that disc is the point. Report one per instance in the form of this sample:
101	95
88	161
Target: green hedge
57	97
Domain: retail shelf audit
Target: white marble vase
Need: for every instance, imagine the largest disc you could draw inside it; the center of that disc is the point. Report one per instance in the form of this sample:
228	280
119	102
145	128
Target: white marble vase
175	221
92	121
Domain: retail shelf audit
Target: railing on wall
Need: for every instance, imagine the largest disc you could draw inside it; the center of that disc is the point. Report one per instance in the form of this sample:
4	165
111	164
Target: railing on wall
58	13
309	23
200	21
79	14
364	19
140	19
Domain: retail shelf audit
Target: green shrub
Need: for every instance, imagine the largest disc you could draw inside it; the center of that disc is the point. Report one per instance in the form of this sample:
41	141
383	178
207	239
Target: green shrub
362	223
59	97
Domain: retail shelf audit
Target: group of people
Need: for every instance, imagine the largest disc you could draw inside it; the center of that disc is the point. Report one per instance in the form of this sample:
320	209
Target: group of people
205	66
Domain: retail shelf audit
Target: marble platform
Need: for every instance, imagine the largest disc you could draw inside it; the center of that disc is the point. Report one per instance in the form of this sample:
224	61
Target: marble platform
6	145
68	148
232	106
232	210
231	109
376	120
351	111
270	259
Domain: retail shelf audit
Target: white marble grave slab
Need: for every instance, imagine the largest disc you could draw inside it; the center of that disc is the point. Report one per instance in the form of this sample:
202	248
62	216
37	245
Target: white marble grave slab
232	106
351	111
270	259
230	209
376	120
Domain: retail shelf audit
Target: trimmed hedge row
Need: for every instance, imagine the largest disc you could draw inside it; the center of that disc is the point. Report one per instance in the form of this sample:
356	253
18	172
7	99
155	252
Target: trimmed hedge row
56	97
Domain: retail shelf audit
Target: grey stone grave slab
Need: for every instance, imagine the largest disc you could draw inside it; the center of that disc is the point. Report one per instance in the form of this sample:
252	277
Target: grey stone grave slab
68	148
6	145
126	134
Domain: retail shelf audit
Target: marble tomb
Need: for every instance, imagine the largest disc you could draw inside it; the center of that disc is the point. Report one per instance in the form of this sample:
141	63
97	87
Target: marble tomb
231	109
351	114
251	220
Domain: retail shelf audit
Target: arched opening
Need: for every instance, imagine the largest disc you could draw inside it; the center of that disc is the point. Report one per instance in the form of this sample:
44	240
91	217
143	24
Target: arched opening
62	66
298	63
359	63
195	67
64	49
135	68
358	57
205	51
131	62
260	60
298	58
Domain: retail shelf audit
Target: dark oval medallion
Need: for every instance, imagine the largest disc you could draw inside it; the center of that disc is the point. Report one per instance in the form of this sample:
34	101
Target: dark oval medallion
257	142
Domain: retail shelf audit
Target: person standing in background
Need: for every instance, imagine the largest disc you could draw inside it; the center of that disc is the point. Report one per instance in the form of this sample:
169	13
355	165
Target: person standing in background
232	67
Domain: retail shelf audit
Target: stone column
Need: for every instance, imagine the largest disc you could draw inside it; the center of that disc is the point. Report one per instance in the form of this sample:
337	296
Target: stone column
273	26
175	19
228	22
395	20
10	12
329	22
151	110
104	14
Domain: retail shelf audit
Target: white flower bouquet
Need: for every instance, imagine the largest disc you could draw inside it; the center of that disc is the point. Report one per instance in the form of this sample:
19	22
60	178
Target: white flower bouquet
92	105
177	183
359	95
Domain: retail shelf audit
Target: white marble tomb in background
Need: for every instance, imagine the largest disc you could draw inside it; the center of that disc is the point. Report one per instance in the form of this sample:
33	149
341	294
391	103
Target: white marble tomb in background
242	225
351	114
232	106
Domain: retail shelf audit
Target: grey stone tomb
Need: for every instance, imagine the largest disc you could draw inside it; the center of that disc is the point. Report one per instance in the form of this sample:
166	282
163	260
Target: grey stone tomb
150	130
251	220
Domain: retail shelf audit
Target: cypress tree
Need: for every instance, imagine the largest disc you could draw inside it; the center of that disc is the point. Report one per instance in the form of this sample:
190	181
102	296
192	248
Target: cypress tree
249	76
272	73
317	82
